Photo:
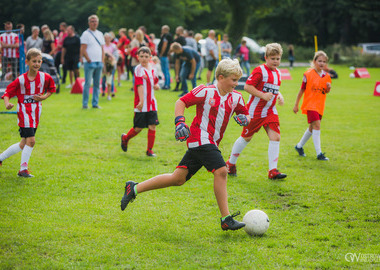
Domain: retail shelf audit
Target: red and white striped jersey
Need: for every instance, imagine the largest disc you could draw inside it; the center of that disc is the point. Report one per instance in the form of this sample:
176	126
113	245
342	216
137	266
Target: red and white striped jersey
29	110
10	39
265	80
213	112
147	78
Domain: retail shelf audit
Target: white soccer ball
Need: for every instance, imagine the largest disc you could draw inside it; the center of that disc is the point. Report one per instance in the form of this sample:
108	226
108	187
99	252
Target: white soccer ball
256	222
352	75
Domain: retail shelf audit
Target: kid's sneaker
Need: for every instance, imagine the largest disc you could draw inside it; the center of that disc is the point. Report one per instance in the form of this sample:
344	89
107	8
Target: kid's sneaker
129	194
1	163
150	153
24	173
230	224
300	151
322	156
124	143
275	174
231	169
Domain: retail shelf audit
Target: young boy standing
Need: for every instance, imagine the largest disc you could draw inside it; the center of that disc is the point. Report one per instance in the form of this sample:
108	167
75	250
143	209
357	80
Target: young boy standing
30	88
263	85
215	106
145	109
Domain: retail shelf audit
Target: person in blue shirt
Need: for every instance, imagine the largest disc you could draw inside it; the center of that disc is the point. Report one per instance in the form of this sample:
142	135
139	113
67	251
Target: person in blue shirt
190	65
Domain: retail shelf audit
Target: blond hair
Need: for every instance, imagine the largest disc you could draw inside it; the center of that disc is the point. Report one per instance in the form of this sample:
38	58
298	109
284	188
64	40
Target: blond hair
228	67
48	35
198	36
273	49
316	56
175	46
33	52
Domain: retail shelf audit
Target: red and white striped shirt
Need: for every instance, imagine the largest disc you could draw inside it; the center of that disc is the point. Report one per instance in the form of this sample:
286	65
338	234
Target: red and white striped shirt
213	112
265	80
147	78
29	110
10	39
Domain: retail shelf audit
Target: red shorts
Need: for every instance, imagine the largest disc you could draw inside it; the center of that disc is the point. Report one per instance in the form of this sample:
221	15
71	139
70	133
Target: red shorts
254	126
313	116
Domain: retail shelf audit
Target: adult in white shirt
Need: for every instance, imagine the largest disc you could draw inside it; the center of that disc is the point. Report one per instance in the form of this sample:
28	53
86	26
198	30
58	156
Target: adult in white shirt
92	56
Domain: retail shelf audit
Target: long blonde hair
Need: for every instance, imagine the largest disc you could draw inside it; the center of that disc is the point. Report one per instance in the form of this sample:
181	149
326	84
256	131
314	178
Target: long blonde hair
316	56
48	35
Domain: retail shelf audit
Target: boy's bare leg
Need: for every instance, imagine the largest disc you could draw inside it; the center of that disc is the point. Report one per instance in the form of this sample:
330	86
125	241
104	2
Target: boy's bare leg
220	190
177	178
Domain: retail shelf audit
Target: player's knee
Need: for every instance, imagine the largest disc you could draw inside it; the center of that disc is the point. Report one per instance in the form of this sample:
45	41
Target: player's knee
221	172
30	142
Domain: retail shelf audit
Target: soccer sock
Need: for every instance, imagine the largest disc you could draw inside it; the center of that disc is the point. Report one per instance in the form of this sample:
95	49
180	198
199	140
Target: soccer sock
13	149
131	133
25	156
135	189
306	136
317	141
151	138
223	218
273	153
238	147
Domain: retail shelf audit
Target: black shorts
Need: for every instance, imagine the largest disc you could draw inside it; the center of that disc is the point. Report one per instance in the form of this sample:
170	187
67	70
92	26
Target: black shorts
71	63
145	119
27	132
211	64
207	155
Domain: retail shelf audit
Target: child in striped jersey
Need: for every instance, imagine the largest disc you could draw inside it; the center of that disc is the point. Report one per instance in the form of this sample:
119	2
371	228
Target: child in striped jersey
215	106
30	88
263	85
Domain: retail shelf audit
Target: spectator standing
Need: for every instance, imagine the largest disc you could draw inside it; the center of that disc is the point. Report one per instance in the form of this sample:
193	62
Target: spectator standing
57	60
122	45
180	38
134	46
244	55
211	54
291	55
10	50
48	46
34	41
190	41
225	47
198	37
92	43
163	50
71	54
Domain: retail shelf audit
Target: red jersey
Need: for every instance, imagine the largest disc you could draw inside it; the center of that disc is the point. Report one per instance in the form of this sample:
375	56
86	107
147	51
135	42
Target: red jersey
124	41
10	39
29	110
213	112
265	80
147	78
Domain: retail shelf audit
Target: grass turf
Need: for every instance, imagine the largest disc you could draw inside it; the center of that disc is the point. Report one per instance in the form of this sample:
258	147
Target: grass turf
69	215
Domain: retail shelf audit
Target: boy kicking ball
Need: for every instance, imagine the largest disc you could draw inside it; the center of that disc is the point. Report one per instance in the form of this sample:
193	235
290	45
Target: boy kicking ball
215	106
30	88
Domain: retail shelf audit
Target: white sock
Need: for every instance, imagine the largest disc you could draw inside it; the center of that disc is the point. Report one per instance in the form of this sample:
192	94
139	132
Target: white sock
273	153
13	149
25	156
238	147
317	141
306	136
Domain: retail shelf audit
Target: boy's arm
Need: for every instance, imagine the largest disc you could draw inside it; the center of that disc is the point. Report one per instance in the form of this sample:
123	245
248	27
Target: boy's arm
254	92
140	91
40	97
280	98
299	96
8	105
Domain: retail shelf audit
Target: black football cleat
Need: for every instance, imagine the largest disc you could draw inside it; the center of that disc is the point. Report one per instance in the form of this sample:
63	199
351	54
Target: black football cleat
300	151
230	224
129	194
322	156
124	143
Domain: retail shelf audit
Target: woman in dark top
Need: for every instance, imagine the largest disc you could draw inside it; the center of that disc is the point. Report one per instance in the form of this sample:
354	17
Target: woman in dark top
48	43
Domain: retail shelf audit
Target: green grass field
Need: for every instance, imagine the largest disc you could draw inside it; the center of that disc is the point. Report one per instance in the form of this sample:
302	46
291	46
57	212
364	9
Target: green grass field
68	216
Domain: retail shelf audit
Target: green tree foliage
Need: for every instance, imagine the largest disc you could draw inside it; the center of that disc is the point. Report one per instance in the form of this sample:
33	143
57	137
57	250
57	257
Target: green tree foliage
152	14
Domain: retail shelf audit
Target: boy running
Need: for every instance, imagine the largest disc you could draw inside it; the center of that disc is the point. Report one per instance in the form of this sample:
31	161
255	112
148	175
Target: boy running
215	106
145	109
30	88
316	84
263	85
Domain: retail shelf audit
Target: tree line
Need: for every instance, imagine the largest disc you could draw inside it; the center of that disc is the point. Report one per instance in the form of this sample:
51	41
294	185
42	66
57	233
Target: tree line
346	22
